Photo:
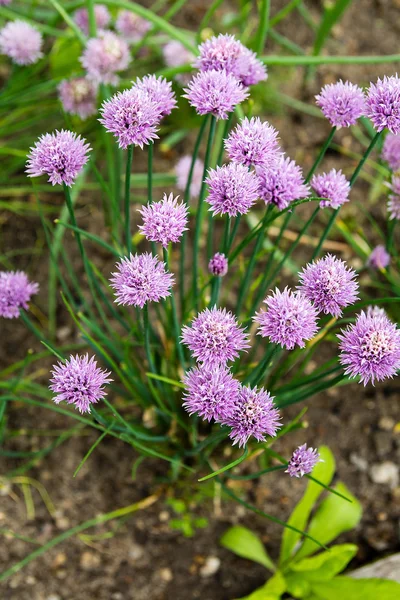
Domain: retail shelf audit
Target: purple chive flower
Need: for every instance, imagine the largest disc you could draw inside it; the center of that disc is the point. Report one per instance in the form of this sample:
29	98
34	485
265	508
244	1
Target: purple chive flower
216	93
370	348
210	392
329	284
15	293
250	70
282	183
214	337
391	151
218	265
253	143
383	104
159	91
21	42
104	56
141	278
379	258
131	27
342	103
79	381
182	170
394	199
101	15
60	155
333	186
176	55
254	416
5	2
290	319
78	96
302	461
132	117
233	189
164	221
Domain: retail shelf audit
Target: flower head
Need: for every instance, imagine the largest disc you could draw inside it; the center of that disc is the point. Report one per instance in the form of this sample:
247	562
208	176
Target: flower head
253	143
60	155
218	265
132	117
5	2
131	27
176	55
21	42
379	258
391	151
216	93
290	319
159	91
104	56
282	183
141	278
329	284
210	392
101	15
214	337
164	221
15	293
333	186
78	96
394	199
342	103
79	381
250	70
254	416
383	104
233	189
302	461
370	348
182	170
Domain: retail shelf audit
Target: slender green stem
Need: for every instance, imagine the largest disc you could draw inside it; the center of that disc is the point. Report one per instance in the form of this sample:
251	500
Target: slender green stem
258	373
263	25
150	173
227	231
233	235
146	330
216	287
390	238
128	236
321	154
92	18
175	319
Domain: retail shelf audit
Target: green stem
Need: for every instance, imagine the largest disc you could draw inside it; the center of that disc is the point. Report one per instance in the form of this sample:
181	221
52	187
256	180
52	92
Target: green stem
321	154
92	19
128	236
146	330
263	25
257	375
150	173
175	319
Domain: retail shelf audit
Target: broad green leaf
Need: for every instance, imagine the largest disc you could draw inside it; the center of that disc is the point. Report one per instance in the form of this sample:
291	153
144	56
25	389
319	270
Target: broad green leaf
246	544
297	585
324	472
347	588
333	516
325	565
272	590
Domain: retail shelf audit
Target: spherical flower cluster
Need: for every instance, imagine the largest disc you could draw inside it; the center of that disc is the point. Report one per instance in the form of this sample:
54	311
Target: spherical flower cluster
216	93
78	96
329	284
383	104
176	55
159	91
101	16
290	319
214	337
233	189
379	258
250	70
253	143
218	265
60	155
391	151
394	199
15	292
131	27
282	183
132	117
210	393
104	56
141	278
182	170
333	186
254	416
342	103
370	348
164	221
302	461
79	381
21	42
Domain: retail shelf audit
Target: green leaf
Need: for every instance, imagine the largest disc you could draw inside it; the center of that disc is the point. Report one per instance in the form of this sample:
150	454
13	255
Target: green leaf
246	544
272	590
324	472
333	516
297	585
331	15
325	565
347	588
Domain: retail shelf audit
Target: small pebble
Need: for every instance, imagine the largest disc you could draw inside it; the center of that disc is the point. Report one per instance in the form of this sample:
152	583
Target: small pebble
136	551
385	473
386	423
89	561
210	567
166	574
359	462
